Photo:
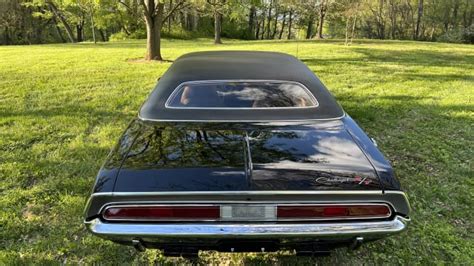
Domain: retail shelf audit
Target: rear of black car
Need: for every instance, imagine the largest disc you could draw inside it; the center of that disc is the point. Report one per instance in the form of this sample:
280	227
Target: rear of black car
184	187
244	151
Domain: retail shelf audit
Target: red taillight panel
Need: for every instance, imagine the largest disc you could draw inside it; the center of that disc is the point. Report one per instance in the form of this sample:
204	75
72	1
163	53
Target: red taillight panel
156	213
333	211
249	212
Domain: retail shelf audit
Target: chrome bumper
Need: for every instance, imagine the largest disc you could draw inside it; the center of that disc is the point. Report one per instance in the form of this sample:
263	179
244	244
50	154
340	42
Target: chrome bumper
369	230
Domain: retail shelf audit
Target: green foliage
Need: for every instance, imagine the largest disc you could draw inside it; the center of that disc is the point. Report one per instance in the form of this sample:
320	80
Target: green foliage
182	34
453	36
33	21
63	109
120	36
458	36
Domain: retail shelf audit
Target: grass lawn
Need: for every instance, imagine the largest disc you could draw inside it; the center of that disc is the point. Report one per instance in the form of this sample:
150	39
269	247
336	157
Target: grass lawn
62	107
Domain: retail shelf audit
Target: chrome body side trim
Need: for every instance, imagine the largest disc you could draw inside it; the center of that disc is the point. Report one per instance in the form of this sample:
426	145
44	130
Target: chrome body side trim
183	231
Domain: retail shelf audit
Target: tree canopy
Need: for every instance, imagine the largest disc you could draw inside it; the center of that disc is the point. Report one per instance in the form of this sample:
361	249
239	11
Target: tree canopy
49	21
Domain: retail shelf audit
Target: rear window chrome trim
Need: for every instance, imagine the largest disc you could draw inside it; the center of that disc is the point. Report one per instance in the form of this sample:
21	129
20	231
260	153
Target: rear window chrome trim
212	81
240	120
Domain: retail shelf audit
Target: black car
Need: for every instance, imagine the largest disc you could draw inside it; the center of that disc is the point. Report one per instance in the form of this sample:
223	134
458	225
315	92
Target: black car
244	151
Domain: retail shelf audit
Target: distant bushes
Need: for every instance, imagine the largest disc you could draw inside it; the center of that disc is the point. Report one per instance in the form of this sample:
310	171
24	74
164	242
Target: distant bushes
465	35
120	36
175	32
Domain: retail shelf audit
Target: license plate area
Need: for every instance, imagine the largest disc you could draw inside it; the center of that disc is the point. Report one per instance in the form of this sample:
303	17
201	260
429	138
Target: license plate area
244	212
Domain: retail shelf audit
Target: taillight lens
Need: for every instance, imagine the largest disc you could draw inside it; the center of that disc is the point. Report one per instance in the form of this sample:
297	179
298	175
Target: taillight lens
157	213
246	212
304	212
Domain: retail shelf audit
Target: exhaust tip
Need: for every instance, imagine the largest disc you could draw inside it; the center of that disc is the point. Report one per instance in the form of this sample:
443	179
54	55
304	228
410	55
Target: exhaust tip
138	245
357	243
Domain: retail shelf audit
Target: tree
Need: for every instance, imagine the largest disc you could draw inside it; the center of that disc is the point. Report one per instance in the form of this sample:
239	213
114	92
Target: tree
418	20
351	12
290	23
59	14
283	24
269	19
217	7
322	15
154	14
38	21
251	23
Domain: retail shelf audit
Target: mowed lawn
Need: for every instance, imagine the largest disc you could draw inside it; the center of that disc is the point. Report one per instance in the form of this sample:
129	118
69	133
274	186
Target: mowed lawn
62	107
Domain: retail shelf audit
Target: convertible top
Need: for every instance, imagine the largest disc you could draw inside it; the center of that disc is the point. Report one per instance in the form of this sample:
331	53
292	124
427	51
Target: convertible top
241	66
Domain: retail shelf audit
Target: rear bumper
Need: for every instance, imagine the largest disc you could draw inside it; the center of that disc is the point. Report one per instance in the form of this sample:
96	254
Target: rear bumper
125	232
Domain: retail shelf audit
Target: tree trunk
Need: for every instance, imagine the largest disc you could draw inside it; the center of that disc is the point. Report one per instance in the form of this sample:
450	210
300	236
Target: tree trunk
393	20
251	29
58	30
269	18
190	21
39	30
275	28
217	27
93	26
290	23
346	42
381	21
309	31
322	14
102	35
468	14
153	32
353	27
63	20
79	36
283	24
454	21
257	28
170	18
6	35
263	25
418	19
195	20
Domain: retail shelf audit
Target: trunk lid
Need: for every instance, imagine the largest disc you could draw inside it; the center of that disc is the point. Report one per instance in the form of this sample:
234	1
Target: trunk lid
201	157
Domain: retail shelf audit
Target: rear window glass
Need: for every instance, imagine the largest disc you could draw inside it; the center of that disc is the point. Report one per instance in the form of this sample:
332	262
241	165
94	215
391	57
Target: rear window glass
241	94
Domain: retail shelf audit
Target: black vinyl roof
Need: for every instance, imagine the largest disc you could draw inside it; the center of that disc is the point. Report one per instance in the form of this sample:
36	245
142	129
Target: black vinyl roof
238	65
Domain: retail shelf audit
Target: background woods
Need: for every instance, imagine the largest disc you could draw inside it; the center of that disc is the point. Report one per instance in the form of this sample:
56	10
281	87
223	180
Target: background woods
50	21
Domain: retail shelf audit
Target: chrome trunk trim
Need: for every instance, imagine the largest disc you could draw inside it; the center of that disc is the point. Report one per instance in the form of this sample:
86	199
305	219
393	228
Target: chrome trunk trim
264	192
396	199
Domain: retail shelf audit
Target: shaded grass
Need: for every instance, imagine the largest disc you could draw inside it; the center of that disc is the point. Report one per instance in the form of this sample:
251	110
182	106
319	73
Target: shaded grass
62	107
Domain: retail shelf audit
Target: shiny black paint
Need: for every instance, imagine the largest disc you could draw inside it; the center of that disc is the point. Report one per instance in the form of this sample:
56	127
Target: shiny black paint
164	156
108	173
381	165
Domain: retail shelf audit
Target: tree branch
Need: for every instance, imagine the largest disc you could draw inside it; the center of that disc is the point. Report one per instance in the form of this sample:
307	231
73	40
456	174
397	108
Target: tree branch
125	5
180	5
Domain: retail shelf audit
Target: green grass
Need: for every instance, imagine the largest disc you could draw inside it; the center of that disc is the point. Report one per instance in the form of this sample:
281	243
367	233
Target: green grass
62	107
